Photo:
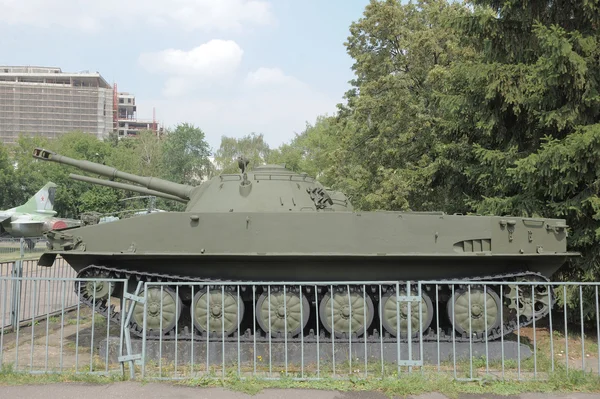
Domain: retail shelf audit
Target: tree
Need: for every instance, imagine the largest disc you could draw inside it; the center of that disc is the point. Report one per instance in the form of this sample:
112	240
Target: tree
9	185
526	113
185	155
388	156
252	146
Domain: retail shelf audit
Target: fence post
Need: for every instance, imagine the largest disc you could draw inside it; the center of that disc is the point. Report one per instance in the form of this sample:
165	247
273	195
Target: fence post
17	272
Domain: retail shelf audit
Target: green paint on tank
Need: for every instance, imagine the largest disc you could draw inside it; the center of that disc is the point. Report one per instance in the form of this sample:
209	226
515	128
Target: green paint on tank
272	224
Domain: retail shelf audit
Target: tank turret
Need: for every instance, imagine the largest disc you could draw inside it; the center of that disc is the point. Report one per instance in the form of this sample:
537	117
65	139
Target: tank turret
267	188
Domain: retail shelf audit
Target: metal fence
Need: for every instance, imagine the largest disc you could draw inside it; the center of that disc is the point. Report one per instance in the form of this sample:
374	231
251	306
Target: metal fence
467	330
464	329
11	247
19	290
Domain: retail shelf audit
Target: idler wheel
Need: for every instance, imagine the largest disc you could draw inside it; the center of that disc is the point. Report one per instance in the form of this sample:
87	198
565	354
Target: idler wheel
217	310
95	290
163	308
389	309
352	312
480	309
283	307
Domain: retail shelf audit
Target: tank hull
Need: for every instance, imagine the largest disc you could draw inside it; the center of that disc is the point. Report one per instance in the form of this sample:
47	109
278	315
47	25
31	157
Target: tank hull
273	225
340	246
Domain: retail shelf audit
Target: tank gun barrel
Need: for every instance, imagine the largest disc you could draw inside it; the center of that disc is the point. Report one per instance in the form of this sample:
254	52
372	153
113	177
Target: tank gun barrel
123	186
181	191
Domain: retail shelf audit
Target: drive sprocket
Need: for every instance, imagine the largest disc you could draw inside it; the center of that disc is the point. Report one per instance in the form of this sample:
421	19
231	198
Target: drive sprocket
533	299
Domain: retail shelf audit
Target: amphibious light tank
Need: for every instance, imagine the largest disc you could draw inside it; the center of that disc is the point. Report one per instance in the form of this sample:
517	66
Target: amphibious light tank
271	224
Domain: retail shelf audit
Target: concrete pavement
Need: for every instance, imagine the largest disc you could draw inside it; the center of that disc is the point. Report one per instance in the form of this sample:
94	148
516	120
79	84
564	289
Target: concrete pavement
129	390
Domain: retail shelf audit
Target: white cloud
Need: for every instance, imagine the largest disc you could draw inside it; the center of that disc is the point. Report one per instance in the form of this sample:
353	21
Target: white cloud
205	64
268	102
85	15
214	58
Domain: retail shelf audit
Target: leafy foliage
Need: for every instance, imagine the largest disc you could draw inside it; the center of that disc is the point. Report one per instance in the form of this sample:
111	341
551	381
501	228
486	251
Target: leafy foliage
252	146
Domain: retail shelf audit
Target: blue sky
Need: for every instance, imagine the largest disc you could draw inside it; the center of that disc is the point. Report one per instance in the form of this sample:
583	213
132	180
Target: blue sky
231	67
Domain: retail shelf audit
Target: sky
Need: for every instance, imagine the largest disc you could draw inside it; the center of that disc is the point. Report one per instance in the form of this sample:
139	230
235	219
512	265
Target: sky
230	67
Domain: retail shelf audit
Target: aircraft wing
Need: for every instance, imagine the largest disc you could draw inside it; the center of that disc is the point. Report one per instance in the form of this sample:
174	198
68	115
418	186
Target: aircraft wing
30	222
4	216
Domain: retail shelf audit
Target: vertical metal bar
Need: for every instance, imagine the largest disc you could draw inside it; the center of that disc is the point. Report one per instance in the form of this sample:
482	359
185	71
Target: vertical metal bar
409	326
332	328
176	324
485	334
193	330
566	331
437	326
33	324
582	333
518	335
47	327
269	332
365	318
381	332
285	321
453	299
207	327
55	294
254	326
471	333
16	304
160	328
108	326
534	334
349	330
318	347
222	332
62	321
420	327
124	315
93	327
4	299
238	321
502	330
145	330
597	327
18	324
76	327
550	325
301	332
398	329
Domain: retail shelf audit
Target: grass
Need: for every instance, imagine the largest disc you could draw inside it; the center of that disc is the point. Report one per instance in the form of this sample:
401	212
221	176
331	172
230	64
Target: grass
412	384
406	385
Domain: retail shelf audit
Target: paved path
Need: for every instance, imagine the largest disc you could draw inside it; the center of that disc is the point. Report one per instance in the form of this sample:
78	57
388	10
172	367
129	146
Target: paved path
128	390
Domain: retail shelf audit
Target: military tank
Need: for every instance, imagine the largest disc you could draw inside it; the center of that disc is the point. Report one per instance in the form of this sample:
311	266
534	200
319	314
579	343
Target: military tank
270	224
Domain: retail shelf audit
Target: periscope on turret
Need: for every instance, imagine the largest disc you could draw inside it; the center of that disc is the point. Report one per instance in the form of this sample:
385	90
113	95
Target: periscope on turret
268	223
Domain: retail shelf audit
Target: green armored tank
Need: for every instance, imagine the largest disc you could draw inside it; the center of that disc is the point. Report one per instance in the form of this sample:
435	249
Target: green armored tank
273	225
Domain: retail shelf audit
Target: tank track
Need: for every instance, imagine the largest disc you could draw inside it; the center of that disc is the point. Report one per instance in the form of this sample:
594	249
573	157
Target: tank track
449	335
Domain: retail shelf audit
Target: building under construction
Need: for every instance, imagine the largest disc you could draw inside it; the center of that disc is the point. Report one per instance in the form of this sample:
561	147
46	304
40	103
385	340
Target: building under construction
128	123
47	102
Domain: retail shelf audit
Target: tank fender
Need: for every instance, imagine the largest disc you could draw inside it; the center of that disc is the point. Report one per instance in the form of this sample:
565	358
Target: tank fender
47	260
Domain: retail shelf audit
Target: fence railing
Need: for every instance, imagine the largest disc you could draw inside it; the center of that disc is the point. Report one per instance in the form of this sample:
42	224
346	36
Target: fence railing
518	329
10	246
19	290
468	330
67	340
